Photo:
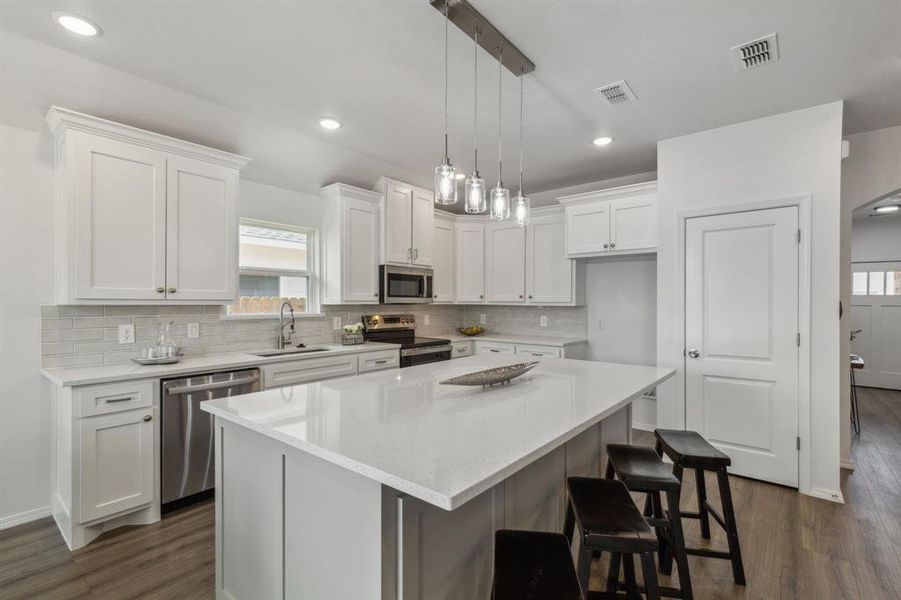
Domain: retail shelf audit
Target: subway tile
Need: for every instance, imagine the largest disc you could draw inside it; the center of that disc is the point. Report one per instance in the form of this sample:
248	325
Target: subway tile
72	360
85	335
119	356
101	322
81	311
117	311
53	348
51	324
100	346
181	310
58	335
225	348
49	311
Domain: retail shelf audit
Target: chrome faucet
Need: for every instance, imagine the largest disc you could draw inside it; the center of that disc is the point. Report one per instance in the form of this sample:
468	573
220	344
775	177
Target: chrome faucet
285	340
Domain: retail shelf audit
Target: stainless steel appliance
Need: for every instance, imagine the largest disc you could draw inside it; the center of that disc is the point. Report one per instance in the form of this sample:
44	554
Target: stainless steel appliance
187	471
405	285
401	329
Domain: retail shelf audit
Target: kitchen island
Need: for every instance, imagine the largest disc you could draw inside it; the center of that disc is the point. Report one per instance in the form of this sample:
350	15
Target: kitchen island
391	485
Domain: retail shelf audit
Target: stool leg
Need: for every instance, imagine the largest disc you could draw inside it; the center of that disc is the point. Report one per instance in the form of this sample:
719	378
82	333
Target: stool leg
569	524
609	474
738	569
649	573
629	574
672	501
583	569
665	554
658	447
613	571
701	484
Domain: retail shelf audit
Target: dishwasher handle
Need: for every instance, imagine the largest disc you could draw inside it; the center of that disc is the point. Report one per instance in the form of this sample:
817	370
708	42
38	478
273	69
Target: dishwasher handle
190	389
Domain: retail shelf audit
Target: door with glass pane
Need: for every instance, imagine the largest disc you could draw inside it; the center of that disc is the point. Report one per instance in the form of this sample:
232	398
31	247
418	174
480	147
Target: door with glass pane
876	323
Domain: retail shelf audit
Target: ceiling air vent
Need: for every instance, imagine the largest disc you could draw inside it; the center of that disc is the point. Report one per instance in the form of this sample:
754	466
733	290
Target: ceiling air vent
617	93
755	53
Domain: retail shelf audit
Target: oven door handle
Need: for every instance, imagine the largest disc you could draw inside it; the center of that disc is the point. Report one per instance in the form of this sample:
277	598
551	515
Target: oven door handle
426	350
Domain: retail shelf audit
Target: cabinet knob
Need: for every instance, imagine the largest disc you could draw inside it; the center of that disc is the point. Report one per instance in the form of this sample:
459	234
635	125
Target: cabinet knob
520	296
606	245
613	244
481	296
147	418
376	294
530	296
435	296
160	290
172	290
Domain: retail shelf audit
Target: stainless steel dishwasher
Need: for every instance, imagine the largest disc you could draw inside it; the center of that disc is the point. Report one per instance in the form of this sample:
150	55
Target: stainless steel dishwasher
187	470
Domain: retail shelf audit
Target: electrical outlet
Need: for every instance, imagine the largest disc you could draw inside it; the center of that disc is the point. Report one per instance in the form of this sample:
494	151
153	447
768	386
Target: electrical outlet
601	323
483	319
126	334
336	323
426	320
542	321
193	330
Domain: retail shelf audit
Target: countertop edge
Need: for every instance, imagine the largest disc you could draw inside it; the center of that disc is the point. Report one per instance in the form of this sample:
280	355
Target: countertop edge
559	342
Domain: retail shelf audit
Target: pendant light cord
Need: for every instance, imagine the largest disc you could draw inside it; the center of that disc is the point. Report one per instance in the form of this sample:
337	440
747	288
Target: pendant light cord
475	103
446	156
500	162
521	77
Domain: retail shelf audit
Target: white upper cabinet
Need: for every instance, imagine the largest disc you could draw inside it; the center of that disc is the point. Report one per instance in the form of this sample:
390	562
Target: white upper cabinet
141	217
505	277
615	221
201	240
470	263
406	224
443	262
350	231
550	276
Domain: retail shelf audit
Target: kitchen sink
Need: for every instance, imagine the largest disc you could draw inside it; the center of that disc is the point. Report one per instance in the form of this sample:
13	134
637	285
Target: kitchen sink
289	351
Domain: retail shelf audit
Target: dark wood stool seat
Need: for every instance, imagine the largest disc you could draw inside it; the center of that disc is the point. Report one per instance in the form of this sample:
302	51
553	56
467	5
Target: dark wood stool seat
609	521
533	565
641	470
689	450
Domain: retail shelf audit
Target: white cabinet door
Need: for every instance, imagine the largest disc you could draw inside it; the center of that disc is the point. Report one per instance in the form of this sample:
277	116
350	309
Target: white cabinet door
305	370
443	248
120	220
470	263
539	351
633	223
423	221
505	273
398	208
494	348
116	465
461	349
549	274
587	228
360	240
202	231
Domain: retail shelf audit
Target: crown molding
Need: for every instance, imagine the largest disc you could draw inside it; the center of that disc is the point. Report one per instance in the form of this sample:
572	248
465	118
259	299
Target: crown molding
624	191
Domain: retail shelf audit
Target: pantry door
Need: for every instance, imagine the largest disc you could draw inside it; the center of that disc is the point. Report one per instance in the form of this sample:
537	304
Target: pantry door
741	338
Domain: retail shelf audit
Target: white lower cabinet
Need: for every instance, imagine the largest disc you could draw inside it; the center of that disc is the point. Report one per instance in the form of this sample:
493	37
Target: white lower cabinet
116	463
494	348
304	371
532	350
539	351
461	349
378	361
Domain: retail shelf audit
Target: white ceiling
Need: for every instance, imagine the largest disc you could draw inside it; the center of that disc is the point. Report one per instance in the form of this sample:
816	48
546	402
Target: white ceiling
276	67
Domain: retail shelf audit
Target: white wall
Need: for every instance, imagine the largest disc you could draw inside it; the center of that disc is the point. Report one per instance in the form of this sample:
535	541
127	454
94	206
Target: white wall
622	293
26	281
876	239
278	205
766	159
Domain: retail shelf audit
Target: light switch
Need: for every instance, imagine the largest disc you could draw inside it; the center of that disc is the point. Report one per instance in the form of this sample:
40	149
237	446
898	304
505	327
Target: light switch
542	320
336	323
193	330
126	333
426	320
483	318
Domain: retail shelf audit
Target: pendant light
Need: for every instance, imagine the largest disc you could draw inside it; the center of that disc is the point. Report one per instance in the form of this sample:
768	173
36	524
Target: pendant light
521	201
445	173
499	209
474	186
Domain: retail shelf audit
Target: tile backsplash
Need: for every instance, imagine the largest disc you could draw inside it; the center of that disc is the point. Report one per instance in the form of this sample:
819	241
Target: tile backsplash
88	335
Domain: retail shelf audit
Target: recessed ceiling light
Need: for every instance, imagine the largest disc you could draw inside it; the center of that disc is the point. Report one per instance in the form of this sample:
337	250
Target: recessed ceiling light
602	141
77	24
327	123
888	208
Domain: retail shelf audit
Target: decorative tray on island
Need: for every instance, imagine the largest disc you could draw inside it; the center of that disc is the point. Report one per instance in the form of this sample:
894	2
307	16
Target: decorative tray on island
493	376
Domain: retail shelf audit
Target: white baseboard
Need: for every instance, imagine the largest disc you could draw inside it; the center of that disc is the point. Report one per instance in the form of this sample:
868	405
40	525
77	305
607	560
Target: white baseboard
847	465
24	517
830	495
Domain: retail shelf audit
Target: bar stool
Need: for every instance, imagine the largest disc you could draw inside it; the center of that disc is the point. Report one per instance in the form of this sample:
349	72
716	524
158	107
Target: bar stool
533	565
641	470
689	450
609	521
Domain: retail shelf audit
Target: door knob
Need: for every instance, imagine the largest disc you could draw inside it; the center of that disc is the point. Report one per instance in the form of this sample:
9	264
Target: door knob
148	418
693	353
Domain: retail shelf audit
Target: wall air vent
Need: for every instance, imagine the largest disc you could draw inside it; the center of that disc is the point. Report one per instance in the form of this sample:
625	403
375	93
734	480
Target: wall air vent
617	93
755	53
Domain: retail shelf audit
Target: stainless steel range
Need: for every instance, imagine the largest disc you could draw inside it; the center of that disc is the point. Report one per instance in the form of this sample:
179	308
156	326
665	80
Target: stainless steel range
401	329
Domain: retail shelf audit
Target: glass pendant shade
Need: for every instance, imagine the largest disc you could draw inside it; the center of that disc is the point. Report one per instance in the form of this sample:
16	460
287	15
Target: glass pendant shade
499	209
474	200
445	184
521	209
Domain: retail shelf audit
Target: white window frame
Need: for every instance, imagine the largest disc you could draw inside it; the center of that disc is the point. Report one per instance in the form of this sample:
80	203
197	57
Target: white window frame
311	273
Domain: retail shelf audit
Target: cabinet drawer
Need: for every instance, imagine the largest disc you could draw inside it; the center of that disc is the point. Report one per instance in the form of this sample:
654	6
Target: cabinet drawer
494	348
539	351
306	370
376	361
461	349
114	397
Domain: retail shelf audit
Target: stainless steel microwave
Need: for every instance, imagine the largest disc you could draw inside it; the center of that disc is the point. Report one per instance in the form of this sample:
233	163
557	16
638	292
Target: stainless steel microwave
405	285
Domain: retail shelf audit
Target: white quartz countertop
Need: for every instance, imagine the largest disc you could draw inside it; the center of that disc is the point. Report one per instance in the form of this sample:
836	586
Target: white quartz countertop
440	443
70	376
537	340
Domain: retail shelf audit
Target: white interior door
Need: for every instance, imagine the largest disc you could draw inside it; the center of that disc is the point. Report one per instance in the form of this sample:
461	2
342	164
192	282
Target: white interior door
741	328
876	313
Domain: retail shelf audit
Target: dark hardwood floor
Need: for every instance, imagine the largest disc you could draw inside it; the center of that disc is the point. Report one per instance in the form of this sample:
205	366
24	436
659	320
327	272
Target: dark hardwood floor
794	546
